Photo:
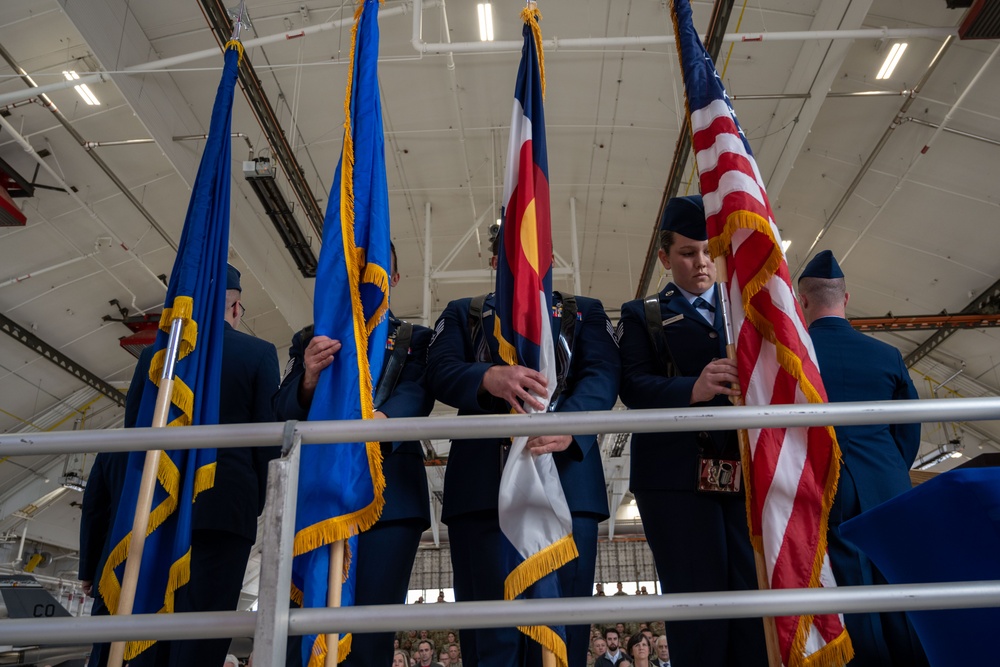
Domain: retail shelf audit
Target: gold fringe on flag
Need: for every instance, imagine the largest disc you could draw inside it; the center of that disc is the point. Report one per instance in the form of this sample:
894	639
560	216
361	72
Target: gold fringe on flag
317	657
840	650
531	15
236	45
507	351
538	565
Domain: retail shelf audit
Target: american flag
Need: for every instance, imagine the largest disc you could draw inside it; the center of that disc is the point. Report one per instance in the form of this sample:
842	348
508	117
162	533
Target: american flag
792	472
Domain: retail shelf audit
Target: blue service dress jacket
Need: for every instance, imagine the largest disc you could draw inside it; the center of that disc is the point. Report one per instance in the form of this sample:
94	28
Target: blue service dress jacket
100	504
406	494
876	457
670	461
456	365
249	379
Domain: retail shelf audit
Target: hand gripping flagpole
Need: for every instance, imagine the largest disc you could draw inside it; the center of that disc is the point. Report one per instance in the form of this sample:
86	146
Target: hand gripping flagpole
144	503
770	629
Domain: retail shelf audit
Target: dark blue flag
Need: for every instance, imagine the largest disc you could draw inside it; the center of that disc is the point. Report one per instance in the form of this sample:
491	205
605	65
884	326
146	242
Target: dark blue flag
197	295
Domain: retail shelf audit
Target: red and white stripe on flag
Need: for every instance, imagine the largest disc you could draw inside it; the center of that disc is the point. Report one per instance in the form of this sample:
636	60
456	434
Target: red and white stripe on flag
793	471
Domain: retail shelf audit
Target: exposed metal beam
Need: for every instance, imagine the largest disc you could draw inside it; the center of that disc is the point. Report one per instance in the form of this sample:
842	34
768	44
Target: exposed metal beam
987	303
253	90
713	43
30	340
117	41
124	189
925	322
879	145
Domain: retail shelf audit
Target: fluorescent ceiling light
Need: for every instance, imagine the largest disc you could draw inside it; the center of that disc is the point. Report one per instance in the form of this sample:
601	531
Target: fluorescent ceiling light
485	10
891	60
82	89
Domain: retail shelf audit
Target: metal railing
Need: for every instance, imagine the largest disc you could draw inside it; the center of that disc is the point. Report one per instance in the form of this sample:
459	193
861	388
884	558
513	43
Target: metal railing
274	621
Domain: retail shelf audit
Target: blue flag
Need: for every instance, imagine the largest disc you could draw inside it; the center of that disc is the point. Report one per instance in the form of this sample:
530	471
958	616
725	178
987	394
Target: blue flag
340	485
533	512
197	294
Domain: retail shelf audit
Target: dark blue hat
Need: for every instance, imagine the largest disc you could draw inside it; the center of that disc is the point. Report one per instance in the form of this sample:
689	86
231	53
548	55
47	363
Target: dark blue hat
685	216
823	265
232	278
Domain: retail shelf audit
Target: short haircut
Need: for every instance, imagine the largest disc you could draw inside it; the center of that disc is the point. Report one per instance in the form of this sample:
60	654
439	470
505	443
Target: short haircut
636	640
824	292
608	631
428	641
232	296
666	240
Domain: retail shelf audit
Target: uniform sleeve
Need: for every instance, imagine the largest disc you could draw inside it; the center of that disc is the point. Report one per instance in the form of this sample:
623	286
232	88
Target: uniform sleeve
95	520
642	385
133	400
595	371
450	378
907	436
410	397
286	400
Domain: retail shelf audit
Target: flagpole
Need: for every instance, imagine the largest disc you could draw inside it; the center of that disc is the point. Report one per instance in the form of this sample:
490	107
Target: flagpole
334	584
770	629
140	522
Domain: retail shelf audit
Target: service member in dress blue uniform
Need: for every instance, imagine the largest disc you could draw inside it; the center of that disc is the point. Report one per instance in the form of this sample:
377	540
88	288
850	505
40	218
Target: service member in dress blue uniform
464	370
98	510
387	550
876	457
225	517
687	486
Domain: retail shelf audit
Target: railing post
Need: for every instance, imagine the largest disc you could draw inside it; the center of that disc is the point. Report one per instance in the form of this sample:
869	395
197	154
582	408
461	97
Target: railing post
271	634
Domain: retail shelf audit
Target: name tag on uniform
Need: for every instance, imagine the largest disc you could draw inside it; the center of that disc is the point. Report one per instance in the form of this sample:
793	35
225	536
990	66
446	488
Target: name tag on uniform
675	318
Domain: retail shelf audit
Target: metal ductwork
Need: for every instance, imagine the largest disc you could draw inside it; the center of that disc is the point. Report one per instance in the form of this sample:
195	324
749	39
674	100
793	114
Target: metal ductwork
260	174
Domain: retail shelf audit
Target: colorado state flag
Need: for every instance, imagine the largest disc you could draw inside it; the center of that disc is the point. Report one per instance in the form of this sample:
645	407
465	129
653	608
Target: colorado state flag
534	514
197	294
340	485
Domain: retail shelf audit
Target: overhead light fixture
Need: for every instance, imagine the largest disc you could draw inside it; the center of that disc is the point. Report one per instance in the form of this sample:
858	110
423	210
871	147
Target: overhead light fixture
485	10
82	89
72	477
260	174
785	245
949	450
891	60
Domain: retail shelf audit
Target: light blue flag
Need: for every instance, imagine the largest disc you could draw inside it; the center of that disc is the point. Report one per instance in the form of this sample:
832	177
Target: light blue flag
340	485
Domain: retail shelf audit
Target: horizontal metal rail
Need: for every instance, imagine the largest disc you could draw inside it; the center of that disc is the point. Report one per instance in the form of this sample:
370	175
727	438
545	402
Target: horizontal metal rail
486	426
674	607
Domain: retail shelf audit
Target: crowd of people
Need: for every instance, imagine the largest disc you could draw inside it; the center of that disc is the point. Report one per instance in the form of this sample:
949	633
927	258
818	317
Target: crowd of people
668	351
619	645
